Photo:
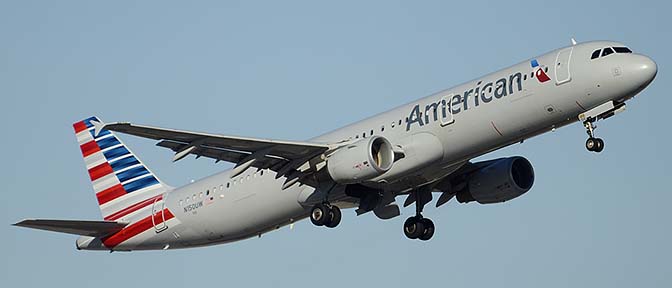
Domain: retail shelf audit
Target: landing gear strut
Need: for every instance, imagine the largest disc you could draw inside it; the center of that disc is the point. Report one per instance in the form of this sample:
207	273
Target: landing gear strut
418	227
325	214
593	144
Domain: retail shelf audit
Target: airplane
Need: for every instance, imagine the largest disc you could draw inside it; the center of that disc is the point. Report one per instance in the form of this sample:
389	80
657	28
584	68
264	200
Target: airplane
416	150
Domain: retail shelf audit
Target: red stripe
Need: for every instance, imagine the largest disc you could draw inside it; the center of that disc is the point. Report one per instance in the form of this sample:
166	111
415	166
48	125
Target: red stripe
110	194
79	126
136	228
89	148
133	208
100	171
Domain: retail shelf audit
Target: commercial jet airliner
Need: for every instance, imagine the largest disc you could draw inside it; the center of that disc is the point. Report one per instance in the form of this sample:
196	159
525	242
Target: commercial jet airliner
416	150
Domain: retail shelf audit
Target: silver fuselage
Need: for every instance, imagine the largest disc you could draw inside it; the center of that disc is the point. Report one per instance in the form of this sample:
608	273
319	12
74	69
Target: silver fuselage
220	209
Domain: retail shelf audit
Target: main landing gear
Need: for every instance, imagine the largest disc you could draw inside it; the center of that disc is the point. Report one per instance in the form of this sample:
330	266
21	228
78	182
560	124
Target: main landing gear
325	214
418	227
593	144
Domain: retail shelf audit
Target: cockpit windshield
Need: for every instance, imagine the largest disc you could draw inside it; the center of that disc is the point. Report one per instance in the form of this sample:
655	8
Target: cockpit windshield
599	53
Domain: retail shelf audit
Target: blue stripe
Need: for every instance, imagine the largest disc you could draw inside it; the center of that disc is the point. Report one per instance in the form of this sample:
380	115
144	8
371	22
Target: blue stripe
132	173
107	142
140	183
116	152
123	163
87	121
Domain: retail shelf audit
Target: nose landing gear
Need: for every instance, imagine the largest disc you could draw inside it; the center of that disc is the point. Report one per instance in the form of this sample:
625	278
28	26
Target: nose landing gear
593	144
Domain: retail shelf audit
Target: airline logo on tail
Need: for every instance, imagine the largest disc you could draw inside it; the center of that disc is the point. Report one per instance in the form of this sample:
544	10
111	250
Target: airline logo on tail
121	182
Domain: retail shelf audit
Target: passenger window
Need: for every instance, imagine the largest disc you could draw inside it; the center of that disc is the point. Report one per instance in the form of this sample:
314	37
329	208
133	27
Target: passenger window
371	133
228	184
382	128
261	173
607	51
392	124
399	122
207	192
622	50
596	54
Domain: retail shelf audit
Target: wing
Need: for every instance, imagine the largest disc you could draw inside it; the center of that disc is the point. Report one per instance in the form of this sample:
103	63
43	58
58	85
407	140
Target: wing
77	227
287	158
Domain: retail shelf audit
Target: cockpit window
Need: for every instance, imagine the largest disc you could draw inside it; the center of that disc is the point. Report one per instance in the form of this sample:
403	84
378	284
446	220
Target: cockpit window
622	50
596	54
607	51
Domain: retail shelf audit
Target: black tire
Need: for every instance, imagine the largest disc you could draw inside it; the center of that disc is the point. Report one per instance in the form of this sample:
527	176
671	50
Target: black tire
599	145
428	231
319	215
334	217
591	144
413	227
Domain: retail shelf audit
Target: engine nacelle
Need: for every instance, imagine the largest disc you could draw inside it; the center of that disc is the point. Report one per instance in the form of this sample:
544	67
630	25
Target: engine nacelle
361	161
503	180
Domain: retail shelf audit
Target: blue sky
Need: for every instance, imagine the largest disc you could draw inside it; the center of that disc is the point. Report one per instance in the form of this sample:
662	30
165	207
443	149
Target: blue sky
296	69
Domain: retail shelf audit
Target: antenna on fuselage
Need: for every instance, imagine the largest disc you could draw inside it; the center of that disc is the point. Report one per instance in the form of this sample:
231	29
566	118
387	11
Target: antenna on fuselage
573	41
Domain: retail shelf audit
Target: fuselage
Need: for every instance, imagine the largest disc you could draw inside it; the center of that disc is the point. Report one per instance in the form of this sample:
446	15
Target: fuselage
453	126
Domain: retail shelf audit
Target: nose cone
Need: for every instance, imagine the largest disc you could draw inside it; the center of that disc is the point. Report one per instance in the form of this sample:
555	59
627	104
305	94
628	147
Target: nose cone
643	69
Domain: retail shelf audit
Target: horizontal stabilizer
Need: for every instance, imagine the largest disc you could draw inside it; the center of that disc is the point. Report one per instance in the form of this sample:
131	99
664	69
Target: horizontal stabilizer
77	227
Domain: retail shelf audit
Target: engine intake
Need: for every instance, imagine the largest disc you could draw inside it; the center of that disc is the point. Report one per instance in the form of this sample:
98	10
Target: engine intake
503	180
361	161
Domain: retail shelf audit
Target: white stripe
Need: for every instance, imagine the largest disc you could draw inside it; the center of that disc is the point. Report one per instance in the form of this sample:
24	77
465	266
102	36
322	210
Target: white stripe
112	147
104	137
84	137
105	182
120	157
129	167
94	160
136	178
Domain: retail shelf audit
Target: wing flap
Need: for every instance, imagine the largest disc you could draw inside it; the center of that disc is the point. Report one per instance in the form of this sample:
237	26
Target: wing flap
77	227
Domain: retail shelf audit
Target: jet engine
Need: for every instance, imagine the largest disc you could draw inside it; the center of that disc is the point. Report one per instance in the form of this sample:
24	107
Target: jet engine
361	161
502	180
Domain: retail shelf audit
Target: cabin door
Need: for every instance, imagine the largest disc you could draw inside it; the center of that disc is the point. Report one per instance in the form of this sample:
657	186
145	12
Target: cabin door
158	216
562	62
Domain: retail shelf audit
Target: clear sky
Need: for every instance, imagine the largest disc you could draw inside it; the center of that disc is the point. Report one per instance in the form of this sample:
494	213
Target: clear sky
295	69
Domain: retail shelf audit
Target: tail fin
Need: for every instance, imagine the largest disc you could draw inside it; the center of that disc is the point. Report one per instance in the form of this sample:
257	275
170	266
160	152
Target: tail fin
122	183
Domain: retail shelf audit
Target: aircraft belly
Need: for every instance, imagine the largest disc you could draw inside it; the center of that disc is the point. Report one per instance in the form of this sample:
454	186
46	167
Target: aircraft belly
244	211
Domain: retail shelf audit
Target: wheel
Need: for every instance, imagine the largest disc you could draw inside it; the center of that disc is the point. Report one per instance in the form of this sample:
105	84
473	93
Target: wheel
591	143
413	227
428	231
599	145
319	215
334	217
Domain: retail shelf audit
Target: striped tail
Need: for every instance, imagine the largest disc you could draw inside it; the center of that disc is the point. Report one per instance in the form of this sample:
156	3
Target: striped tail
122	183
